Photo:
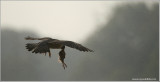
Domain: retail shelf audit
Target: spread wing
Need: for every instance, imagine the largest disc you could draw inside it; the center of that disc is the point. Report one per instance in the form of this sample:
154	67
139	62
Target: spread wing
75	45
42	47
32	38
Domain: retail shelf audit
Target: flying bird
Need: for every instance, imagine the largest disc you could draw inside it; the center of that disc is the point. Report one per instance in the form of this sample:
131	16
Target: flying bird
48	43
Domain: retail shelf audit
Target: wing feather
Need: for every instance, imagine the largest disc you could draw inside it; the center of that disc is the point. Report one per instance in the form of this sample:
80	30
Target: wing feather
41	47
75	45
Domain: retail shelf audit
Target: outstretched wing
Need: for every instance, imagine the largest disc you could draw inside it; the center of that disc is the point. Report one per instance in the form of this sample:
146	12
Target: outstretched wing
32	38
75	45
41	47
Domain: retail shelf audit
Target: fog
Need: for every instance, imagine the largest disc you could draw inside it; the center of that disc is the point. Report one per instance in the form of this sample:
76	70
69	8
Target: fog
126	47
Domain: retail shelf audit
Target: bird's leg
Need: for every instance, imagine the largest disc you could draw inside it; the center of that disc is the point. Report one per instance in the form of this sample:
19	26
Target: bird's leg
49	54
61	60
63	64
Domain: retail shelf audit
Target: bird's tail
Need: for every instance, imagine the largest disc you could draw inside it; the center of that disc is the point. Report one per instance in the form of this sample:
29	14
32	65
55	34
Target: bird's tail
31	46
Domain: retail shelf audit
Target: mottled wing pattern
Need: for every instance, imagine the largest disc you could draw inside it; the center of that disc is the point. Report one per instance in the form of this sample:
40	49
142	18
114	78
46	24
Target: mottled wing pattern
75	45
42	47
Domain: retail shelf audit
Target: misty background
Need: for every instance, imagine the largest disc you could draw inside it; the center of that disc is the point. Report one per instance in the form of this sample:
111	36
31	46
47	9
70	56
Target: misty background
126	47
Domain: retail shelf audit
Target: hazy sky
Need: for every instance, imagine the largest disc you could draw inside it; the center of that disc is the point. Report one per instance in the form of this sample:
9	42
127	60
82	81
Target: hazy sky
70	20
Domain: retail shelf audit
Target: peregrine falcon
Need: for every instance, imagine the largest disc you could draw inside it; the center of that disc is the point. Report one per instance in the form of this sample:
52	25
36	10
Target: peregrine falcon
47	43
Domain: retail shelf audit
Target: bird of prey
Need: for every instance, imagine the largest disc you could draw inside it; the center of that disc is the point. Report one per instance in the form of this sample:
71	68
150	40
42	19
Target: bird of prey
47	43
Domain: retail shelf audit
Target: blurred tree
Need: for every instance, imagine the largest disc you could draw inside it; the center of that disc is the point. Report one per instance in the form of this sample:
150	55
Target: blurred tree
126	47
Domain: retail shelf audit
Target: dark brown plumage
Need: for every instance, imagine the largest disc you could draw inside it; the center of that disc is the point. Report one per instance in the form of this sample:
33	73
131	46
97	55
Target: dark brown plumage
47	43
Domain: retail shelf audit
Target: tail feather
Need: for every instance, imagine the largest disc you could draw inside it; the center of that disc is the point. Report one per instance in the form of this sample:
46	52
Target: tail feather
31	46
38	48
